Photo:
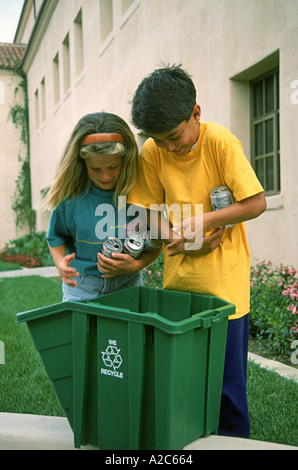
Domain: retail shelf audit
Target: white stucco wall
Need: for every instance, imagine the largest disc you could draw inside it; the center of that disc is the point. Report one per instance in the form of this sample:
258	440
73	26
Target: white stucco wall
222	43
10	149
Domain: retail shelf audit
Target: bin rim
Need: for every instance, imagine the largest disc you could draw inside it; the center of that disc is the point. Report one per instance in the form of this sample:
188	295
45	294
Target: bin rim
201	320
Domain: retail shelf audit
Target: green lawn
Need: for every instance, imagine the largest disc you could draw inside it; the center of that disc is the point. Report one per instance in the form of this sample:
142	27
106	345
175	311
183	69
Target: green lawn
8	266
272	402
25	388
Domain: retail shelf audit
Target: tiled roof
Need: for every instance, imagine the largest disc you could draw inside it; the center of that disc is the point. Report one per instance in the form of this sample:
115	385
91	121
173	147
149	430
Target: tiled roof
11	54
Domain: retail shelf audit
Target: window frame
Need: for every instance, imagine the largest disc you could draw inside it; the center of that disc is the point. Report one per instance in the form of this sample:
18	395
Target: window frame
262	119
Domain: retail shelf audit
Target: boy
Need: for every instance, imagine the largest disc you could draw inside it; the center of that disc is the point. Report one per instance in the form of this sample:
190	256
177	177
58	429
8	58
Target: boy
181	163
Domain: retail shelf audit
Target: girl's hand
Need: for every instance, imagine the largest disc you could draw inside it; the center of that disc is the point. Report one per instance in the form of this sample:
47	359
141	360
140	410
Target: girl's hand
119	264
66	271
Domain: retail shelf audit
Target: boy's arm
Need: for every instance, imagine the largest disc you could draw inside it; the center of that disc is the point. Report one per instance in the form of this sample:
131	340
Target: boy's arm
237	212
166	233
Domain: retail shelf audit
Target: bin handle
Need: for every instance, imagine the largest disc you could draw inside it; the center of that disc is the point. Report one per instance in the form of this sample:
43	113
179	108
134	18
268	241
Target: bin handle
218	317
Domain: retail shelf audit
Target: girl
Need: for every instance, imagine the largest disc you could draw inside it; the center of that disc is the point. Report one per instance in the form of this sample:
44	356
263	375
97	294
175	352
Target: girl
99	164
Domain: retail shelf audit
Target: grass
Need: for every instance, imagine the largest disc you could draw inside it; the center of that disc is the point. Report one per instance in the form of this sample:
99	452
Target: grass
25	388
8	266
272	403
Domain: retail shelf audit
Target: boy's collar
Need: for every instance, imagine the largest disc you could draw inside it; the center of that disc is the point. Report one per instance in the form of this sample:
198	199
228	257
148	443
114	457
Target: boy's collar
194	145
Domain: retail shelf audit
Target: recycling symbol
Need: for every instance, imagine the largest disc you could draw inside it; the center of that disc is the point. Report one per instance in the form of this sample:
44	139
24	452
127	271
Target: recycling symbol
111	357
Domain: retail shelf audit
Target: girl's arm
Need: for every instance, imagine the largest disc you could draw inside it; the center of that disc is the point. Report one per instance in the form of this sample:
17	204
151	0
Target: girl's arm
122	263
62	263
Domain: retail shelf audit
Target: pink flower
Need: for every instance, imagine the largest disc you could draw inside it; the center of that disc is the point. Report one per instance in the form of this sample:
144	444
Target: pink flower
293	309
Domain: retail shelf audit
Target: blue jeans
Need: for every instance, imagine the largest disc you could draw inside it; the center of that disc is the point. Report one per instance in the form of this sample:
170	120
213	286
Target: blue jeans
90	287
234	417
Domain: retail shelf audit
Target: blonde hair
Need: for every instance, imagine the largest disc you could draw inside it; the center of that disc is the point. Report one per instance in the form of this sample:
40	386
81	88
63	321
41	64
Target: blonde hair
72	177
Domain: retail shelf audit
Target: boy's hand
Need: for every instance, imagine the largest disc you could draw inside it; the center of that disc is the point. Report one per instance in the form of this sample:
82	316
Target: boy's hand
210	243
119	264
66	272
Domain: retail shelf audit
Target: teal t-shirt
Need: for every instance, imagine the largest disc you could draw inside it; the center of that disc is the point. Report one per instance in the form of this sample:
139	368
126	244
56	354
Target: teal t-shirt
84	223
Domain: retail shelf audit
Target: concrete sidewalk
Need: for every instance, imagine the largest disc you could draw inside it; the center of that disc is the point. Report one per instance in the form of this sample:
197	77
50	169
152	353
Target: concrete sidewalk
47	271
281	369
32	432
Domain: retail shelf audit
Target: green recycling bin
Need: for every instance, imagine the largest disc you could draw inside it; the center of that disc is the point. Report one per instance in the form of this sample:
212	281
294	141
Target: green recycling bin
140	368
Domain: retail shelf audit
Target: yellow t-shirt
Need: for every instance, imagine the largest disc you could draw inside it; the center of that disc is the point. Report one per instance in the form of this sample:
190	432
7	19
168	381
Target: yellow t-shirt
216	160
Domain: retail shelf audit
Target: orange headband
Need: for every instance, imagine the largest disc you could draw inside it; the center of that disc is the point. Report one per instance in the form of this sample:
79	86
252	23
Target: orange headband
94	138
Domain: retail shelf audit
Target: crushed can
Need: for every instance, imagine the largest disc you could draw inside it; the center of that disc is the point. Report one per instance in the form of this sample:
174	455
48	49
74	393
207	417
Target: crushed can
149	243
221	197
112	245
134	245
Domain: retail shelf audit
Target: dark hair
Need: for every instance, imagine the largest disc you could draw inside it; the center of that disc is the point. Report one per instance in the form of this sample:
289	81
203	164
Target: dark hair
163	100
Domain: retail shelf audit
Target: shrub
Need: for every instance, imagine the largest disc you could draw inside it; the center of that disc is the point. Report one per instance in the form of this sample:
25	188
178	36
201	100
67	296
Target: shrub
274	309
153	274
31	251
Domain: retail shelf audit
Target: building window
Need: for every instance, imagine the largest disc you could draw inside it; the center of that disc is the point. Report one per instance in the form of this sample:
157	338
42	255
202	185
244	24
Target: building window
265	147
106	18
66	63
78	38
56	79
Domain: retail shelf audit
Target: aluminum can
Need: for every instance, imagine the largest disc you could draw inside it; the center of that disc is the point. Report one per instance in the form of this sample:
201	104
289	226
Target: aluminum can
221	197
134	245
112	245
150	244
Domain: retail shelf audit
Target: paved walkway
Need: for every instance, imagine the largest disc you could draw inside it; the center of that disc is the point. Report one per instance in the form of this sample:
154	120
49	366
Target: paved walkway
48	271
32	432
285	371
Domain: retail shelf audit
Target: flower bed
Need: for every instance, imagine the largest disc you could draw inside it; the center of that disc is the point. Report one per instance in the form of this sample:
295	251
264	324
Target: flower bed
30	251
152	275
22	260
274	312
